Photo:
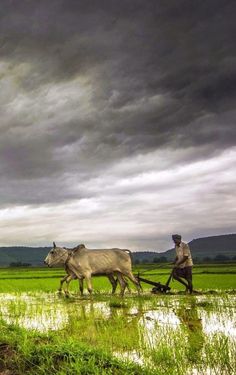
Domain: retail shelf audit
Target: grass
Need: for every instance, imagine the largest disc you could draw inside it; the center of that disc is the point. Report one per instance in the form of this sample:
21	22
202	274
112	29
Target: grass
131	328
24	352
205	277
42	332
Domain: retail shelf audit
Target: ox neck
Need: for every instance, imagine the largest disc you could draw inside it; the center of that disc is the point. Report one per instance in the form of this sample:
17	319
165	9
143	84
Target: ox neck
63	258
69	255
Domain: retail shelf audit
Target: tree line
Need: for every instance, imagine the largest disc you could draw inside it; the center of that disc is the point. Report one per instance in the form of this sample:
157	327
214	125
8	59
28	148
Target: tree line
221	258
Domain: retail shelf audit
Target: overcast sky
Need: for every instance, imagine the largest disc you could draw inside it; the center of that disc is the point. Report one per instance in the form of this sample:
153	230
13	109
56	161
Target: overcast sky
117	121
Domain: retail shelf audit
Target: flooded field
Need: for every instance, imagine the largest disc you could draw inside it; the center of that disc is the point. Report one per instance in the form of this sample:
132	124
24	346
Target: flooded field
167	334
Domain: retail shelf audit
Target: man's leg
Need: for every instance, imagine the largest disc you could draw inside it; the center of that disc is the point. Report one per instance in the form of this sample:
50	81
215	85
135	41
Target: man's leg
189	278
177	275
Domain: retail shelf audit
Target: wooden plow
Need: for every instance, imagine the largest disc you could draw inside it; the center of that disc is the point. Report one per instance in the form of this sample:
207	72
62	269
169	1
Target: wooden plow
158	287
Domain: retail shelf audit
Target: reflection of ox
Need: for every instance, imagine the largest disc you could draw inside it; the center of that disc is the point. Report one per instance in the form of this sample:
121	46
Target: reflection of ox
82	263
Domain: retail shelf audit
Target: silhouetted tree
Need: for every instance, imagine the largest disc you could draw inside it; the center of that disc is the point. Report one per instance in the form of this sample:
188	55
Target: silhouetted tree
221	258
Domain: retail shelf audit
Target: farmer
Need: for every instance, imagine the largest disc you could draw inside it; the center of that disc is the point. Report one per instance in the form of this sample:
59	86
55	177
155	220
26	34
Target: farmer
183	263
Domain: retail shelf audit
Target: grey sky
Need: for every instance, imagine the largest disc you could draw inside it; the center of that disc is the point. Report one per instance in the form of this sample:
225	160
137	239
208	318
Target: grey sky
117	121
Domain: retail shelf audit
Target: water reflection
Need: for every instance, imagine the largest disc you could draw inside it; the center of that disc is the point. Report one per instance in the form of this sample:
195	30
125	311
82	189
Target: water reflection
52	312
32	312
190	319
133	327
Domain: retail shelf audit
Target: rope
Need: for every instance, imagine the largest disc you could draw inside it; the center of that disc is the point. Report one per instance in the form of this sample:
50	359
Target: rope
57	260
153	268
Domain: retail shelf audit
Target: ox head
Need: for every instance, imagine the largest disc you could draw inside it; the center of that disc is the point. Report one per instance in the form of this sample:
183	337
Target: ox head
57	255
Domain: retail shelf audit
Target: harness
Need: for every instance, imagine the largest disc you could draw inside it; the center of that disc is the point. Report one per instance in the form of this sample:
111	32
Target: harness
69	255
58	259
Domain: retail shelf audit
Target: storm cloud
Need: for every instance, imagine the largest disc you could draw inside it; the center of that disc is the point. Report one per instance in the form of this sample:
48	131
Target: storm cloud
117	118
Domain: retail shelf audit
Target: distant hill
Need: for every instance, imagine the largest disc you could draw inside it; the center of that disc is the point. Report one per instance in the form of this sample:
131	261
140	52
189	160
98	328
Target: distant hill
21	254
201	248
210	247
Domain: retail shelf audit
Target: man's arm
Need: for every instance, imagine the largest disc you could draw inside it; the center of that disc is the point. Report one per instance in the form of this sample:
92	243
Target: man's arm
175	261
185	257
186	253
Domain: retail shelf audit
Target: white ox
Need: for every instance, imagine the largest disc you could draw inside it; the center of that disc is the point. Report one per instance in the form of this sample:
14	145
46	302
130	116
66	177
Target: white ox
71	276
83	263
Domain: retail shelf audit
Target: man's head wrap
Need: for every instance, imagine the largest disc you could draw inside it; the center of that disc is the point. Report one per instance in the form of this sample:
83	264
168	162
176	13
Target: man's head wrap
176	237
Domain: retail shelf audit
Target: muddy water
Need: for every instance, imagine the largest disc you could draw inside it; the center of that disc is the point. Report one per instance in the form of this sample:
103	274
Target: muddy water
199	322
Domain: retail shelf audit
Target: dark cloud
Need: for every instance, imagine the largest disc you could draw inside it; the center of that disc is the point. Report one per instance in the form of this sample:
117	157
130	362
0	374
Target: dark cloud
92	91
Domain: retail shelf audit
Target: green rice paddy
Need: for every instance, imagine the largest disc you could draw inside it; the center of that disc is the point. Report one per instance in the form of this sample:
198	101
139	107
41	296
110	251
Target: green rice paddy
205	277
43	332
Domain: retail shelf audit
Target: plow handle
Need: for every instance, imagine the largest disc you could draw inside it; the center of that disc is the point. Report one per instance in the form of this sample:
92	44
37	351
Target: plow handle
170	277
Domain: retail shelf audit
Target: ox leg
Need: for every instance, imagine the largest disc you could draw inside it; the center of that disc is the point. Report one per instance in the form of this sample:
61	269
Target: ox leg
62	282
113	282
134	280
127	285
81	277
122	283
89	284
81	286
68	280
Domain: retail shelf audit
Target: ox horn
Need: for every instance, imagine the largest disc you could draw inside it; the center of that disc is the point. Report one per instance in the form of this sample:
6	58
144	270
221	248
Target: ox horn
54	245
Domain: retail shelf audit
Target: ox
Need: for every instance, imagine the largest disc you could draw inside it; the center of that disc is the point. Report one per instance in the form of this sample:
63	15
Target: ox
71	276
83	263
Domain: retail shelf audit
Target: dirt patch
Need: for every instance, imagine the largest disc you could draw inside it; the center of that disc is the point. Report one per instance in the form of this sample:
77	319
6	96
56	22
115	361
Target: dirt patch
6	352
